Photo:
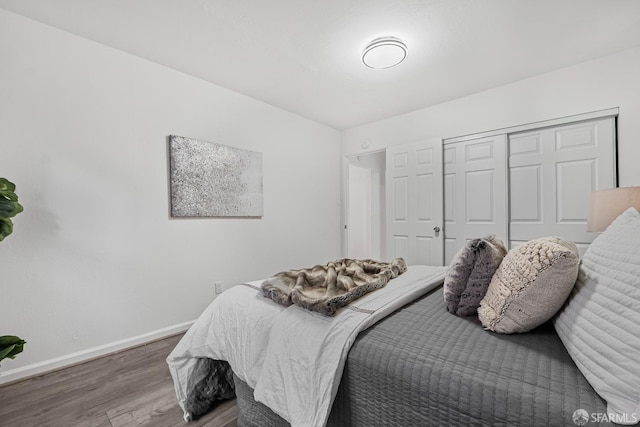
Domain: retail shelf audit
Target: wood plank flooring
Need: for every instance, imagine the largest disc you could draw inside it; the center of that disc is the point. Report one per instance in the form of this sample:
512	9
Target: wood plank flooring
129	388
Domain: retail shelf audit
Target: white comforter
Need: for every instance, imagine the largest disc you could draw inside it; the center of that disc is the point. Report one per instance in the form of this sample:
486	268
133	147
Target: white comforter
292	358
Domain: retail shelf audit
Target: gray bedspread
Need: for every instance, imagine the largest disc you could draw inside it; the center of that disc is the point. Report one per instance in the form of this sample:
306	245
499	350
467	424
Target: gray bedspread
423	366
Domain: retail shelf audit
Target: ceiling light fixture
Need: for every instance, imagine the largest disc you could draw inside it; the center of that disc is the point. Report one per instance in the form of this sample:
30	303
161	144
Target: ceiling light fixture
384	52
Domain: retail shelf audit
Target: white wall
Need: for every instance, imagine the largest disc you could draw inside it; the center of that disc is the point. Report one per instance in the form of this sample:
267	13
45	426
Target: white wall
596	85
95	261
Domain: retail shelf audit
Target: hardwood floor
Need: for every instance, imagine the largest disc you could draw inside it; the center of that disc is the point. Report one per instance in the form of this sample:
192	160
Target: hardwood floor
129	388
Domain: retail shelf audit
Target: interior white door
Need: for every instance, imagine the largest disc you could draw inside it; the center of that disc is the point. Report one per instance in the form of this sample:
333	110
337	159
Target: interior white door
552	172
414	202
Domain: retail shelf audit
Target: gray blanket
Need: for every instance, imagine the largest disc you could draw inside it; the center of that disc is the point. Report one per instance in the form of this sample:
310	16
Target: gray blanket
216	384
421	366
326	288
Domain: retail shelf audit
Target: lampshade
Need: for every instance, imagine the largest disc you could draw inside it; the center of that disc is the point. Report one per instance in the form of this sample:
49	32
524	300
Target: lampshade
384	52
607	205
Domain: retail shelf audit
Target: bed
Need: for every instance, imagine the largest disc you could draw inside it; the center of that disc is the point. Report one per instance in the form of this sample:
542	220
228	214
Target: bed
408	361
421	366
293	358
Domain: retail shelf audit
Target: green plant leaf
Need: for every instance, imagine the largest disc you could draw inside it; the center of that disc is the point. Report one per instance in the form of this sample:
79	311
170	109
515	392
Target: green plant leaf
9	196
9	209
6	186
6	340
16	349
4	353
6	207
10	346
6	228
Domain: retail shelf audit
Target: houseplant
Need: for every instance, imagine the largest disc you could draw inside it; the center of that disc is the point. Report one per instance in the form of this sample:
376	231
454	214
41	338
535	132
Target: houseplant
10	346
9	207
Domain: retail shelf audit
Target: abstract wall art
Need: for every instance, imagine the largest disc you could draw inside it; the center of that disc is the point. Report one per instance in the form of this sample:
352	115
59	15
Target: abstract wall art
214	180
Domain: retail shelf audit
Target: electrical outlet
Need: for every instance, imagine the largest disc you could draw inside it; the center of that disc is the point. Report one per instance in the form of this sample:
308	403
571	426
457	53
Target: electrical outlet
219	288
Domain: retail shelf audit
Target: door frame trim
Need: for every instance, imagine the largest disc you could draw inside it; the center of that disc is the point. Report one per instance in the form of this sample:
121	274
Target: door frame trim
599	114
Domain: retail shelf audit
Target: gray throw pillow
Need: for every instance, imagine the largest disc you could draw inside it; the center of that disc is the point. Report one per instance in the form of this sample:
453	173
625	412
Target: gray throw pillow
470	273
530	286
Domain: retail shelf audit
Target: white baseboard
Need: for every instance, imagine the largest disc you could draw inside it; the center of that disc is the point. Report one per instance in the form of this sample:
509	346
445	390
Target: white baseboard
40	368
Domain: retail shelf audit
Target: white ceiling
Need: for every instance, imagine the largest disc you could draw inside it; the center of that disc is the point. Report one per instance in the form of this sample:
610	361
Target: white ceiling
304	56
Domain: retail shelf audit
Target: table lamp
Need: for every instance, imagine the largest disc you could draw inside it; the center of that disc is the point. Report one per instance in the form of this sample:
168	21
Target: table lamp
607	205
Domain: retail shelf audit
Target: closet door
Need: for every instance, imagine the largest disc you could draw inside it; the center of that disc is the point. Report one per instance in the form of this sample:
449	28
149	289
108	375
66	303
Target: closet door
414	202
552	172
474	191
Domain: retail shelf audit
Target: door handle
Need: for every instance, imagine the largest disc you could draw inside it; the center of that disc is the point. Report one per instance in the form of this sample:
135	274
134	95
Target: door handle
436	229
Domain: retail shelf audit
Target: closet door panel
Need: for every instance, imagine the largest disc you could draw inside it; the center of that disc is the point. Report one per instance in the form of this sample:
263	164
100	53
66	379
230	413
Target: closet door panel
525	202
480	194
452	201
475	191
574	183
552	172
451	229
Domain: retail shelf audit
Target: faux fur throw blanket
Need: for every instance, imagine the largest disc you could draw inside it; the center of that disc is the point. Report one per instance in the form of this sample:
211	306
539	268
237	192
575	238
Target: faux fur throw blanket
326	288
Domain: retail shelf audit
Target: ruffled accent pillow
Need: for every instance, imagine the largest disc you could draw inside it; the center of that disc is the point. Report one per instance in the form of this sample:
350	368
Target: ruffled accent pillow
470	273
530	286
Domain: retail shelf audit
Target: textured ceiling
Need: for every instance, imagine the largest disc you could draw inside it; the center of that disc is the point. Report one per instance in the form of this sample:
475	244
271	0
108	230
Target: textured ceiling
304	56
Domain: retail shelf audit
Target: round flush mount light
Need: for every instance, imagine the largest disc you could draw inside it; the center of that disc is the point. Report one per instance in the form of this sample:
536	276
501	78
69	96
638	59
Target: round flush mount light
384	52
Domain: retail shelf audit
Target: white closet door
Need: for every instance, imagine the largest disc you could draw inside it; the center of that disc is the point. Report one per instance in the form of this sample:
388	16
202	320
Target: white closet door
552	172
475	192
414	202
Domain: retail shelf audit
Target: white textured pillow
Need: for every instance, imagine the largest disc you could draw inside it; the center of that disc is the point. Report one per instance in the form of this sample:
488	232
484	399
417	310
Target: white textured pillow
600	322
530	286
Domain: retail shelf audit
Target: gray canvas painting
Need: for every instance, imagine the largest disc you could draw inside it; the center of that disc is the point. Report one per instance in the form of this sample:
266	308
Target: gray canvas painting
209	179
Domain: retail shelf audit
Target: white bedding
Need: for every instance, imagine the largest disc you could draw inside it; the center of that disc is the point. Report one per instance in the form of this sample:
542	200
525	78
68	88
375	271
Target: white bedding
292	358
